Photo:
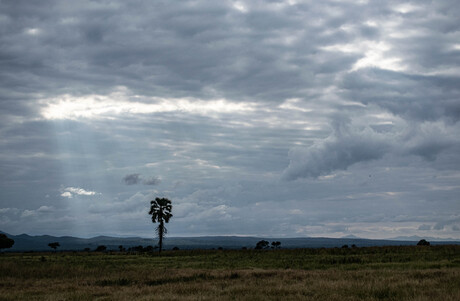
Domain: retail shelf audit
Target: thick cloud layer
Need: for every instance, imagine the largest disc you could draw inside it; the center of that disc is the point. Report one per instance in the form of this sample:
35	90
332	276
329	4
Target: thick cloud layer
290	118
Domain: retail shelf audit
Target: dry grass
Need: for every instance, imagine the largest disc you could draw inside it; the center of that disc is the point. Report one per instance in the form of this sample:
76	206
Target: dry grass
170	277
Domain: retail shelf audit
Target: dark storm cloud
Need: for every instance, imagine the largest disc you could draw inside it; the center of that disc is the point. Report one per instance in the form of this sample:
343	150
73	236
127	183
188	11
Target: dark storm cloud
410	96
132	179
201	48
136	178
349	144
342	149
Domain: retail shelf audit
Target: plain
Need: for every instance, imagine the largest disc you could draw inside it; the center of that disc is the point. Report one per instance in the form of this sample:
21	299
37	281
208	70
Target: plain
376	273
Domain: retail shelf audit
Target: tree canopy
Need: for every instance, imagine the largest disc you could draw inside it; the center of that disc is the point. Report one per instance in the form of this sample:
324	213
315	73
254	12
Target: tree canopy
262	244
423	242
5	242
54	245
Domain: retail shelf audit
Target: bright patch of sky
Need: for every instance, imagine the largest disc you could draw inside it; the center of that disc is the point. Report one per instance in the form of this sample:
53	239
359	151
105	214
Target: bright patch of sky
102	106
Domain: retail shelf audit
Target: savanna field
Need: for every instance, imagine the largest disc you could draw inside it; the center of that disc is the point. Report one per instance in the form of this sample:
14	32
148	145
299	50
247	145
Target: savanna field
377	273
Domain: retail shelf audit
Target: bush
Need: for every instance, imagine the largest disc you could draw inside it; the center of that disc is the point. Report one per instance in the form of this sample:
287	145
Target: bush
101	248
423	242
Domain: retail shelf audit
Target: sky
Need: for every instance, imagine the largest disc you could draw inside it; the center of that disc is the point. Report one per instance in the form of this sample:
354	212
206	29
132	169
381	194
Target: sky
256	118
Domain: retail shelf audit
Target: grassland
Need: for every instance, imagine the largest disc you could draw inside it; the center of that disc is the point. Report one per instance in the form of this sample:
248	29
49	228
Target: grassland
381	273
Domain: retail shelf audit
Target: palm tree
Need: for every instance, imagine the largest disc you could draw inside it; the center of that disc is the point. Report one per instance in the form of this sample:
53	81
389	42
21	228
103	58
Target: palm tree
160	210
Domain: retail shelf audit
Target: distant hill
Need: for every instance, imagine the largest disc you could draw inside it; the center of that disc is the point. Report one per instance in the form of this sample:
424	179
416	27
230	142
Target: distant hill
26	242
417	238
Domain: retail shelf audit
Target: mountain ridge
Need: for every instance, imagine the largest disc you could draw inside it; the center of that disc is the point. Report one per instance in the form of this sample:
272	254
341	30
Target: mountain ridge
25	242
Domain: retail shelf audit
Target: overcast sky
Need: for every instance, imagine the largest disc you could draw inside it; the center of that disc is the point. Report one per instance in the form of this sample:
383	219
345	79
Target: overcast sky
272	118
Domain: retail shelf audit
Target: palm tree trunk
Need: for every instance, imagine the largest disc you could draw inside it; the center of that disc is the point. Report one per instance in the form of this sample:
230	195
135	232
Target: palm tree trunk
160	234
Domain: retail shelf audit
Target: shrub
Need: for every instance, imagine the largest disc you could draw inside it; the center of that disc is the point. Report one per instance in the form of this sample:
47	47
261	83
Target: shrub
101	248
423	242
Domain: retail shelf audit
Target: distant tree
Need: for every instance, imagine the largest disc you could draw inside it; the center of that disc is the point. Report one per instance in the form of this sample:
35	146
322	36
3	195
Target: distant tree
54	245
5	242
160	210
86	249
345	247
276	244
101	248
262	244
353	246
175	249
423	242
121	248
220	248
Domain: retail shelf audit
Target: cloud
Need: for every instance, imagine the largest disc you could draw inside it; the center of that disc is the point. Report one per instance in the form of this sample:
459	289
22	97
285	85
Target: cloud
136	178
424	227
132	179
69	192
9	210
454	224
439	226
42	210
151	181
66	194
28	213
343	148
361	139
414	97
122	102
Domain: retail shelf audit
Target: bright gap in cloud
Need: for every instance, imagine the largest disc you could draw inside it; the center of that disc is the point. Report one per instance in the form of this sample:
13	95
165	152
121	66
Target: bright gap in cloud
294	104
102	106
406	8
33	31
374	55
239	6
